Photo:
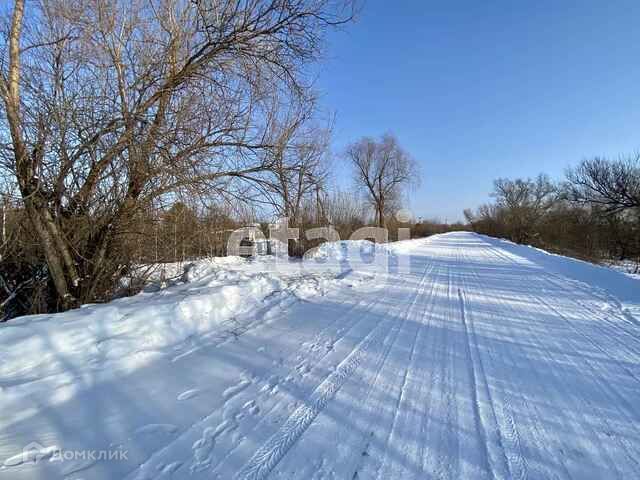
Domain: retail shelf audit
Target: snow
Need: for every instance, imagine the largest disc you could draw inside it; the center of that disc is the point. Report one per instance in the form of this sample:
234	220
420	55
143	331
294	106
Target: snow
457	356
345	250
629	267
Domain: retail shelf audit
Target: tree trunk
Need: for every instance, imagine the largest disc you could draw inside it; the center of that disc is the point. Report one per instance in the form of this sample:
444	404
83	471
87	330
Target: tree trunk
54	260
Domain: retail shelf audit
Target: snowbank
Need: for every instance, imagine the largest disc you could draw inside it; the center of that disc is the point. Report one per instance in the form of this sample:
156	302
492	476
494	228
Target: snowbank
616	287
346	250
123	334
54	355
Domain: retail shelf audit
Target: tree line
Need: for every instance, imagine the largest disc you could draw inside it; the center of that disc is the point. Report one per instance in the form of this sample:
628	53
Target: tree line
592	213
142	132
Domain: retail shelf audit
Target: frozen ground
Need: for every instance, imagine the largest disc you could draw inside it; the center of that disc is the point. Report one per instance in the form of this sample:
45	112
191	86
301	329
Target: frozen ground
470	358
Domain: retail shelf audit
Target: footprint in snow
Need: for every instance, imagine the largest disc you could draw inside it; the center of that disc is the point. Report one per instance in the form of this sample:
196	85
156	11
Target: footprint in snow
30	456
251	407
203	448
303	368
272	384
156	428
234	390
170	468
188	394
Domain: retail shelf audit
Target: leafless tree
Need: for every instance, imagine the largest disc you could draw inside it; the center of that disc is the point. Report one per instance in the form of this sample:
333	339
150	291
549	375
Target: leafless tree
112	104
613	186
299	167
383	170
611	190
524	202
578	219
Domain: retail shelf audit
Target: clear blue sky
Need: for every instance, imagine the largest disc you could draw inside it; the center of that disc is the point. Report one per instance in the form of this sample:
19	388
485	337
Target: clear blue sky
477	90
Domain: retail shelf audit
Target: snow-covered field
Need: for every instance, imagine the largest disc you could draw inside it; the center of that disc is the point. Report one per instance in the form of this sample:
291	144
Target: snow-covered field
469	357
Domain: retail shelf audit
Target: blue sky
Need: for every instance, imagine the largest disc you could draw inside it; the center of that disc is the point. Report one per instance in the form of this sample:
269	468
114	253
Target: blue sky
478	90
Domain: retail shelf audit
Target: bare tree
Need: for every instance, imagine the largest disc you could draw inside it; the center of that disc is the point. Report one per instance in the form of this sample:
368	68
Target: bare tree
345	212
524	202
299	166
588	218
610	189
613	186
383	170
112	104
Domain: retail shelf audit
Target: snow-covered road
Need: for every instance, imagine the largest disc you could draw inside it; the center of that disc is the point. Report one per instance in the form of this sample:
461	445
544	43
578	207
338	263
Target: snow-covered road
483	360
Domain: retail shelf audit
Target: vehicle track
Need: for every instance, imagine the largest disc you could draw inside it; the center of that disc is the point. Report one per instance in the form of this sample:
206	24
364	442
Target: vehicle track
279	444
481	364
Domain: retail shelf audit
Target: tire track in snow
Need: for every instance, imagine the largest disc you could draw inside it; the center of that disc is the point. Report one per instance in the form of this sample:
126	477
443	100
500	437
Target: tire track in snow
590	314
268	456
436	445
366	440
506	436
448	463
502	402
590	418
632	453
580	427
434	378
487	330
592	438
359	456
361	451
402	396
560	281
158	455
628	323
355	321
495	461
506	459
605	352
